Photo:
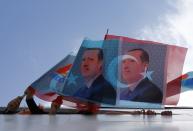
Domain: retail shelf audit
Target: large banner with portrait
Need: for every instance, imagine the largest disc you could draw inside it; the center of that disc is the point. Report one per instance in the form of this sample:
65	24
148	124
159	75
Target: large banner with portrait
175	57
116	73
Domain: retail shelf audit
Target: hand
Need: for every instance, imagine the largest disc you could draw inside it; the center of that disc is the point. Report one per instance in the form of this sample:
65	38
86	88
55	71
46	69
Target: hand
88	108
13	105
56	105
29	92
54	108
82	107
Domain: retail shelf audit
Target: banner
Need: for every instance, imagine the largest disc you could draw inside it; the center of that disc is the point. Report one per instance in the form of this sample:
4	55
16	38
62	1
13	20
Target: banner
119	73
49	84
175	57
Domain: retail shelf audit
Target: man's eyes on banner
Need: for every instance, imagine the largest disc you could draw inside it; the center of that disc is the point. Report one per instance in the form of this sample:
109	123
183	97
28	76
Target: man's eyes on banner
88	59
91	59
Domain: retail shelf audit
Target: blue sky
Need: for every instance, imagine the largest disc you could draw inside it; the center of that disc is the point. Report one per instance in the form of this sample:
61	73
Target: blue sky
35	35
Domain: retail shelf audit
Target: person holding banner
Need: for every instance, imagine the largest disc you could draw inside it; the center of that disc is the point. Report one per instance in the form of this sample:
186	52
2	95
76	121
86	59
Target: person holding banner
133	72
13	105
96	87
34	109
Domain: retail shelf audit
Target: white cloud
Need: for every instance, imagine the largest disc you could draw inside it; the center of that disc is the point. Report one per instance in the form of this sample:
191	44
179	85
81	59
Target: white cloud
174	28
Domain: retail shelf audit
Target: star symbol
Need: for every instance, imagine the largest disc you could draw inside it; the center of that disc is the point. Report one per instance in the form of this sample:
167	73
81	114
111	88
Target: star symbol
147	74
72	79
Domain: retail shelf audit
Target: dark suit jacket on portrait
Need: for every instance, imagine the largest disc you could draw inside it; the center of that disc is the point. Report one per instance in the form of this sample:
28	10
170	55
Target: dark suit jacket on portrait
146	91
100	91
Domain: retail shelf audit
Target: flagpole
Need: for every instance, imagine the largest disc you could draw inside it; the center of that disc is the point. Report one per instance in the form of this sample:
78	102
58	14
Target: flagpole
106	34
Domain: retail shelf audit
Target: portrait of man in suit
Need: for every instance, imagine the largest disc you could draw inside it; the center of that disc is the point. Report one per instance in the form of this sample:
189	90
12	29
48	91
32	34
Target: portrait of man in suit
96	87
134	66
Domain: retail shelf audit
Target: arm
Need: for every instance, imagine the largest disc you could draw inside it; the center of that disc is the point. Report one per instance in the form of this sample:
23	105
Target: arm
34	109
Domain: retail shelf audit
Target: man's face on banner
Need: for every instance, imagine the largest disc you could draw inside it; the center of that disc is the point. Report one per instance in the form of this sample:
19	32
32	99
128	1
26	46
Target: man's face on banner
90	65
132	67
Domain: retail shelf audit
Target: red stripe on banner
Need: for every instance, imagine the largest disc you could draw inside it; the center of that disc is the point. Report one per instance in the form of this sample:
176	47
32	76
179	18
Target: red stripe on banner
64	69
127	39
185	76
